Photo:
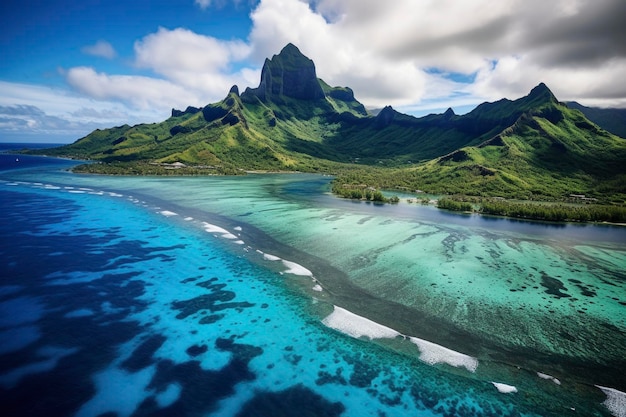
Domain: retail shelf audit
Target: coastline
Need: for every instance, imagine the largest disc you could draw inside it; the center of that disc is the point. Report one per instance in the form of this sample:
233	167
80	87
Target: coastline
355	299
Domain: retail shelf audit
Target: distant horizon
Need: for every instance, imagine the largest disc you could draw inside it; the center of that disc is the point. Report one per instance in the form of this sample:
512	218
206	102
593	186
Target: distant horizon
60	141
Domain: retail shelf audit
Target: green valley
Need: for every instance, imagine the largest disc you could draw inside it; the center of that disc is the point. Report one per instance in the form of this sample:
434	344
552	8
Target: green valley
532	148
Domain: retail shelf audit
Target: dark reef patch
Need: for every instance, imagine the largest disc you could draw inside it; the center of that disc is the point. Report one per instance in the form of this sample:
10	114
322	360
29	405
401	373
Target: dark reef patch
142	356
196	350
297	400
215	301
201	390
584	290
553	286
212	318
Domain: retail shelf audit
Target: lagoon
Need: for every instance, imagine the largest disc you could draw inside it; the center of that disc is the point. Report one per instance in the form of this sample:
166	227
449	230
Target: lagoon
258	294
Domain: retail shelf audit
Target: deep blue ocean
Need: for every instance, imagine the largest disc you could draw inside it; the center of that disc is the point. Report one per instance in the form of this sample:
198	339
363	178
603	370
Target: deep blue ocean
114	303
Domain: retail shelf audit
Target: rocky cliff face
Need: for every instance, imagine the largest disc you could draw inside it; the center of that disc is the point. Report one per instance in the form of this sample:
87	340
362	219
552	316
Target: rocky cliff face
289	74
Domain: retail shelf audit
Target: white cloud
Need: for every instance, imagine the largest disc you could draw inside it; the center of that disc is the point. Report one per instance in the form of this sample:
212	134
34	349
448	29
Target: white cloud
192	69
101	48
414	55
41	113
197	62
138	91
385	50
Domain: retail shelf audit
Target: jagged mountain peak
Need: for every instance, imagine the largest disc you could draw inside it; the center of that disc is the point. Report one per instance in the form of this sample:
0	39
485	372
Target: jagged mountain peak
289	74
541	93
291	50
449	113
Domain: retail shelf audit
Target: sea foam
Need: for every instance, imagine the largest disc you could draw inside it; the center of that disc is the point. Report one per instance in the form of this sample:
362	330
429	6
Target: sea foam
296	269
431	353
504	388
548	377
357	326
615	401
211	228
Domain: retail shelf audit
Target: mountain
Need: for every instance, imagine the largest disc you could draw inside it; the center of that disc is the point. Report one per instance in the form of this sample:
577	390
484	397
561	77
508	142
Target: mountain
613	120
549	151
529	147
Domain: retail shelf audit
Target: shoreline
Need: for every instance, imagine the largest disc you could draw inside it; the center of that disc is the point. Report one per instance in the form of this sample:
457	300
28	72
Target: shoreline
179	213
196	172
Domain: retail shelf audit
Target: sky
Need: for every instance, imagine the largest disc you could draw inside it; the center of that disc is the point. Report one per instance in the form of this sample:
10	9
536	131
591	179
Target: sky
68	67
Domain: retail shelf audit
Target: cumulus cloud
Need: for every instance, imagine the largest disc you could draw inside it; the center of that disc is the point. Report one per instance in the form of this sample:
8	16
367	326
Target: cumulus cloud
413	55
195	61
28	121
101	48
58	116
190	69
139	91
385	50
23	116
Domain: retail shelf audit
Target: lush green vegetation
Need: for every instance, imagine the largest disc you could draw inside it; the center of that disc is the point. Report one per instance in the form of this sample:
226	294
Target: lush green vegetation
362	192
143	168
532	148
454	204
554	212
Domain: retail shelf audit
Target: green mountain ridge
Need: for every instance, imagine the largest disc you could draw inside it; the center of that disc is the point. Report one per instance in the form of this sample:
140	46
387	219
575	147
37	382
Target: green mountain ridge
529	147
613	120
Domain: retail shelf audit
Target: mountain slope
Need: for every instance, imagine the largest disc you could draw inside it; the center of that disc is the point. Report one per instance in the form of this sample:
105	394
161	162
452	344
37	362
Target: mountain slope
613	120
254	130
531	147
550	151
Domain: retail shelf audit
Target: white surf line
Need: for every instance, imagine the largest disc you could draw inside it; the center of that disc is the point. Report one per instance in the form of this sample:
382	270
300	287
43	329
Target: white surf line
615	401
504	388
548	377
269	257
168	213
296	269
211	228
431	353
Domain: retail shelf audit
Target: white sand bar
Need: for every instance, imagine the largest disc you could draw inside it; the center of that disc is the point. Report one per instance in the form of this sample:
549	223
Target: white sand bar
296	269
549	377
504	388
357	326
615	401
433	353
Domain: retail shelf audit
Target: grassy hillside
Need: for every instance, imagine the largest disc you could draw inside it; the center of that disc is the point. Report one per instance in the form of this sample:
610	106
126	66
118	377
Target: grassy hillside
530	148
613	120
549	153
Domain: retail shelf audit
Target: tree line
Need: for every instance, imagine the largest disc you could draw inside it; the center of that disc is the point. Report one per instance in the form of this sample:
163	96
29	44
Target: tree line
538	211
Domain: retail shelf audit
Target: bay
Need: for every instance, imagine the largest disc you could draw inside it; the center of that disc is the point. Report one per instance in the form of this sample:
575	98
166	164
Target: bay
264	294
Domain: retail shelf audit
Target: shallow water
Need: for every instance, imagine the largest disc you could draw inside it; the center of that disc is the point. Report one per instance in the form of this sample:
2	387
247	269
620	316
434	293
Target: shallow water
261	295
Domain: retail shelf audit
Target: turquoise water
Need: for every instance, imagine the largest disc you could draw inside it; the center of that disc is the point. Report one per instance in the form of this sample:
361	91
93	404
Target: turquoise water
264	295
